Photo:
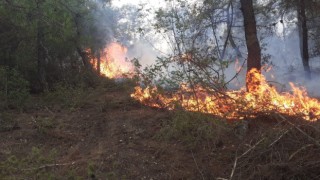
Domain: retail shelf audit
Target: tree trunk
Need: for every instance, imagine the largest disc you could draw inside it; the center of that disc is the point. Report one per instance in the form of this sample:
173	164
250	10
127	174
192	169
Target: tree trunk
99	62
41	56
84	57
83	54
303	37
253	46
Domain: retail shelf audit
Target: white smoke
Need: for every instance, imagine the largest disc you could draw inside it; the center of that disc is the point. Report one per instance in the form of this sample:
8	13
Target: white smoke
282	46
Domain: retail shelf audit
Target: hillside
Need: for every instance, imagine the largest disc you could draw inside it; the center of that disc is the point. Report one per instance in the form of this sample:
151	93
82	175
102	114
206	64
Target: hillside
102	133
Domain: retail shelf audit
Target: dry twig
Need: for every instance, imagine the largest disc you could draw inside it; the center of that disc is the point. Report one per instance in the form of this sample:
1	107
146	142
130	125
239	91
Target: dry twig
49	165
245	153
286	131
300	130
300	149
197	165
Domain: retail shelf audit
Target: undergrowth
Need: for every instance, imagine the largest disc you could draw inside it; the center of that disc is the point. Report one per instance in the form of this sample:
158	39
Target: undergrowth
28	167
8	122
13	89
194	130
284	149
65	96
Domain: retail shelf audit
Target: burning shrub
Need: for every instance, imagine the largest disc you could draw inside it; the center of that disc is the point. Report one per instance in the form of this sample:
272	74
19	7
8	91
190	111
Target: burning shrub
112	61
261	99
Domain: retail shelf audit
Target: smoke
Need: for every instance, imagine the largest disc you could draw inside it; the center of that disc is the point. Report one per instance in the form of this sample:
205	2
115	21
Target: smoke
283	49
144	52
136	32
144	44
287	63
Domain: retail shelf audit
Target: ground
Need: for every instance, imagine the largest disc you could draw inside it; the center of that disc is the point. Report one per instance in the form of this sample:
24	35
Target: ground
110	136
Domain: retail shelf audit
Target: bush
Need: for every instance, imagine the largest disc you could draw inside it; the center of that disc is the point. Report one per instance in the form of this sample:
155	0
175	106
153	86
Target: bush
14	89
66	96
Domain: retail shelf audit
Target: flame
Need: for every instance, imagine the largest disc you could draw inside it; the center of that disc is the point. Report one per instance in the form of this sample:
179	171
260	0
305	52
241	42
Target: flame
261	98
113	61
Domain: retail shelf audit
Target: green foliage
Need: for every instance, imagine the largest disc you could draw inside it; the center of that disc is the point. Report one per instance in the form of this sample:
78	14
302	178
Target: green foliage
91	170
197	50
65	96
14	89
7	122
43	124
54	33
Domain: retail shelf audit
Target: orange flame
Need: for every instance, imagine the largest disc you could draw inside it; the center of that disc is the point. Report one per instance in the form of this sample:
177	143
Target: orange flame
113	61
261	98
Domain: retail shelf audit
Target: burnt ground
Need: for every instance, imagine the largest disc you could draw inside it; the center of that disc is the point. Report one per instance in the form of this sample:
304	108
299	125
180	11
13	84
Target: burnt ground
110	136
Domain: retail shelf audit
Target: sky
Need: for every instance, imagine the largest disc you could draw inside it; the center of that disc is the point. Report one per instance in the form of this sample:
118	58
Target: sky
152	3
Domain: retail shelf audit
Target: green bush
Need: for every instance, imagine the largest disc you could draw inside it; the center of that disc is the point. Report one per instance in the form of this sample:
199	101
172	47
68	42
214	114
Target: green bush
14	89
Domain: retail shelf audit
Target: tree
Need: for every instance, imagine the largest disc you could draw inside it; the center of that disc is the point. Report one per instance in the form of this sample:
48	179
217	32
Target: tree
253	46
307	15
46	40
303	36
41	56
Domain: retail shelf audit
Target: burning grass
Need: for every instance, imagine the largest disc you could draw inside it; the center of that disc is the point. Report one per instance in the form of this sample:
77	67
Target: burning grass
188	145
260	99
277	139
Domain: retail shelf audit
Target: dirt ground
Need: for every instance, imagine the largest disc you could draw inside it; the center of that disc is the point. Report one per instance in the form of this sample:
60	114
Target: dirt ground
112	137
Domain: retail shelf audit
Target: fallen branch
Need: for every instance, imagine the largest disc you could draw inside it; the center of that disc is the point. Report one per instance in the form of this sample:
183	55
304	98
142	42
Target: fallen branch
245	153
49	110
304	133
279	138
48	166
300	149
197	165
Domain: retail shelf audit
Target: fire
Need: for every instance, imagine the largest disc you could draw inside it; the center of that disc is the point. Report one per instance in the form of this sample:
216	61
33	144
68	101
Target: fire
260	99
113	61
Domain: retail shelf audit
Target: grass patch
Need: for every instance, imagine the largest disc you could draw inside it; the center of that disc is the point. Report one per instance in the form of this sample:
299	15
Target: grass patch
65	96
38	164
7	122
43	124
28	167
194	129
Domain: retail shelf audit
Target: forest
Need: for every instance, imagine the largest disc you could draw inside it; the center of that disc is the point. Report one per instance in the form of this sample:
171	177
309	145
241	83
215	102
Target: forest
173	89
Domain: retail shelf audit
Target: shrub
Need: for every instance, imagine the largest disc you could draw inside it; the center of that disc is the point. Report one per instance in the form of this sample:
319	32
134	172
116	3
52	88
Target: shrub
14	89
66	96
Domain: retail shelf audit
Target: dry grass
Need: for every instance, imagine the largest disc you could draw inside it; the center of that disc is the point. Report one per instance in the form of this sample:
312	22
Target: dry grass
110	136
